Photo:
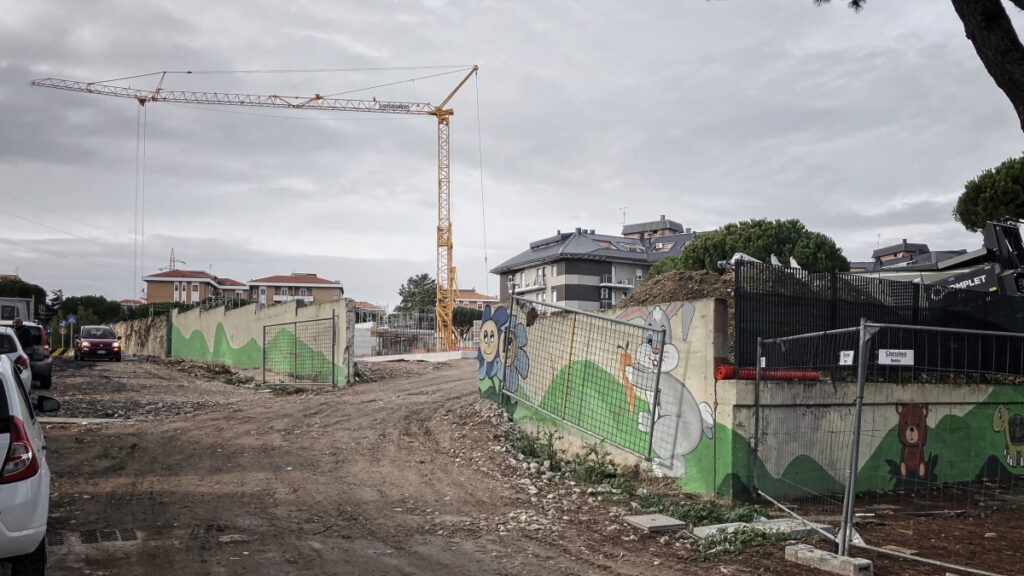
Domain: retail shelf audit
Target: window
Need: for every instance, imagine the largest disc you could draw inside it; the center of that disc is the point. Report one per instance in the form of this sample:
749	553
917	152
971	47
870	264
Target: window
284	291
604	293
554	295
554	270
302	291
639	274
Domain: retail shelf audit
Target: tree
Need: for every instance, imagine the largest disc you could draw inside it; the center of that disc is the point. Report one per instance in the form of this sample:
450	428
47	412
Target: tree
463	318
97	309
997	194
18	288
814	251
419	293
990	30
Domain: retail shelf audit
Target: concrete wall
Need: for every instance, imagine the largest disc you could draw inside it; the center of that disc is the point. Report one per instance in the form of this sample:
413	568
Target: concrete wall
143	336
704	429
235	337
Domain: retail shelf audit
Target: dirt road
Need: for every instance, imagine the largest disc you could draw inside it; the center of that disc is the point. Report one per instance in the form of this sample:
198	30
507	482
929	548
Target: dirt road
398	476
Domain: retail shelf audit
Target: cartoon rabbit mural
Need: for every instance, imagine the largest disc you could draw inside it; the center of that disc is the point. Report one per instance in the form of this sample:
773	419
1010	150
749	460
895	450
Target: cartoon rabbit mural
680	422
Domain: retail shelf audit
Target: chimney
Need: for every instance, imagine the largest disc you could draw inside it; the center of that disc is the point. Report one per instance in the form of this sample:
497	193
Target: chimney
579	230
904	240
662	217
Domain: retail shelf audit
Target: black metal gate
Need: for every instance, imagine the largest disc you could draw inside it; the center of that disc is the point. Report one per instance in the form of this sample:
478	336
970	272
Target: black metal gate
301	352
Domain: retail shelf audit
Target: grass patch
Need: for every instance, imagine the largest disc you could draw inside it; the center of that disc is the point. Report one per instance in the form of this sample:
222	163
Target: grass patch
731	543
594	465
539	447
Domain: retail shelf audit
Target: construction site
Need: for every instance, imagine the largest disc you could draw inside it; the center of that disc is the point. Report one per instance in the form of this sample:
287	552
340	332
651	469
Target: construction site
732	294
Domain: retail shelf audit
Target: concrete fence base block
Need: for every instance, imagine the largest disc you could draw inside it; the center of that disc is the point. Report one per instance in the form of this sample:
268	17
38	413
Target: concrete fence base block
810	556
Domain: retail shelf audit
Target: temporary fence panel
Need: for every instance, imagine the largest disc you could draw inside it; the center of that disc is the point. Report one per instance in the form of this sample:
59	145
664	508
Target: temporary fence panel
895	423
301	352
575	367
774	301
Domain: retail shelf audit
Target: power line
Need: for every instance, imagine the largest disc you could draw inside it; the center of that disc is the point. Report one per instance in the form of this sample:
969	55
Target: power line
48	227
62	254
50	211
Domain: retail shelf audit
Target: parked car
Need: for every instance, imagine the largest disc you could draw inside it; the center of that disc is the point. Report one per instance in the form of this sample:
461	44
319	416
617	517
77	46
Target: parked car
24	476
97	342
39	355
11	349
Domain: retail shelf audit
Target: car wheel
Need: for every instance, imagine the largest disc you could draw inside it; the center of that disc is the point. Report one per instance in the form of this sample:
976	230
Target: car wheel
46	382
33	564
76	356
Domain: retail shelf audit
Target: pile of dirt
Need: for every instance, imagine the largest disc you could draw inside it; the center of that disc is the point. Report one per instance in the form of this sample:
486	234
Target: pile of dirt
678	285
208	371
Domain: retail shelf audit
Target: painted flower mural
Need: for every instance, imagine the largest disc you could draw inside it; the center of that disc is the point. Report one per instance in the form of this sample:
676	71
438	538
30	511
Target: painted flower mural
488	357
517	363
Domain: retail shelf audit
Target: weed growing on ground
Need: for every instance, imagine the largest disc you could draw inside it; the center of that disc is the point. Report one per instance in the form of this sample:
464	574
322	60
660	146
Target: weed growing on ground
733	542
539	446
594	465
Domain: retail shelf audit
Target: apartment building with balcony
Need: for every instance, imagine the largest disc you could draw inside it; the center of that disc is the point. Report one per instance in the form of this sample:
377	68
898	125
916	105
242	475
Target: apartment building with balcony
190	287
305	287
590	271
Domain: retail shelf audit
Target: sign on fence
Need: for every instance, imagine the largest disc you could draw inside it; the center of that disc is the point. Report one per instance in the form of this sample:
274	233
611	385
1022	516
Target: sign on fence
902	357
846	358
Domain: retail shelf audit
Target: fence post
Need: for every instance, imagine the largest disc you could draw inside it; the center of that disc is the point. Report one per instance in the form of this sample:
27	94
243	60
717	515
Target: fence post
568	365
754	455
334	348
737	317
656	397
295	351
845	531
264	354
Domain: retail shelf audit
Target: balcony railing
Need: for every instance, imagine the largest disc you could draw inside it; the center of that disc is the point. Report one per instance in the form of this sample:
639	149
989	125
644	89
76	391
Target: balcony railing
605	304
535	284
290	297
630	282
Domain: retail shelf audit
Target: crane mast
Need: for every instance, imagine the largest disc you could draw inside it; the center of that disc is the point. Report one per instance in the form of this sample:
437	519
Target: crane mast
444	307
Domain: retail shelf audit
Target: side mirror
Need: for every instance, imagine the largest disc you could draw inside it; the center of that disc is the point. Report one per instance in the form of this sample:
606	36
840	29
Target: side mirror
45	404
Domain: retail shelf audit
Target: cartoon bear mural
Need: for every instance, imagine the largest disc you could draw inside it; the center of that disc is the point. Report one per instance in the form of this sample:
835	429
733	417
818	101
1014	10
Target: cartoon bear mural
680	422
913	433
1013	427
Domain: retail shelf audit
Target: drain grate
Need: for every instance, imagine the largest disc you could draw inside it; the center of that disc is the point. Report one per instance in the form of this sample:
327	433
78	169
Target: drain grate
97	536
54	538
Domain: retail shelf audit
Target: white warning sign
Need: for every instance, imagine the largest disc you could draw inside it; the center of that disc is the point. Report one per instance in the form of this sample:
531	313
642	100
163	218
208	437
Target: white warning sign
902	357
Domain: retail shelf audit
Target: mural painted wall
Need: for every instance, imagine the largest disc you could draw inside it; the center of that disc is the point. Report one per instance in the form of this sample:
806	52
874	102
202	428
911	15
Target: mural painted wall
565	371
235	337
602	376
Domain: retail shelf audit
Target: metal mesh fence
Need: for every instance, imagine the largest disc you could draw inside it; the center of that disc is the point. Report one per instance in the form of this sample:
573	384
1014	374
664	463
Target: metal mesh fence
404	333
594	373
890	429
773	301
301	352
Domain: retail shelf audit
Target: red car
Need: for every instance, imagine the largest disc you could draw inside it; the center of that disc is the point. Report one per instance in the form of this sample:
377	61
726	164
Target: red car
98	342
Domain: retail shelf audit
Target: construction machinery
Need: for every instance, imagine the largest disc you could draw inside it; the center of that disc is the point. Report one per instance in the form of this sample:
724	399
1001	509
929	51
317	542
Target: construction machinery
447	336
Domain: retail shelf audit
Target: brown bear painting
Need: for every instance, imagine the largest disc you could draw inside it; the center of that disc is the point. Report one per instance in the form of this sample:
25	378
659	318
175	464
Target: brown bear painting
913	433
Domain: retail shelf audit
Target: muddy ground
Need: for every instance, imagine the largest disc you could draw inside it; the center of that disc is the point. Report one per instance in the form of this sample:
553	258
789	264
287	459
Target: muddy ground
203	473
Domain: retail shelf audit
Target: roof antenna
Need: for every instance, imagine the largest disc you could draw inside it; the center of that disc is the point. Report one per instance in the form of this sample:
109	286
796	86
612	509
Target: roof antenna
623	210
878	241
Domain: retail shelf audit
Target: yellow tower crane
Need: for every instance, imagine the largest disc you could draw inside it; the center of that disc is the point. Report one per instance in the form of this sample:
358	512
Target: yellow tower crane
447	337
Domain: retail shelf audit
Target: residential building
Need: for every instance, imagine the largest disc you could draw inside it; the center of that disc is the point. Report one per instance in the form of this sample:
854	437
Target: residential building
590	271
472	299
7	277
189	286
128	303
302	286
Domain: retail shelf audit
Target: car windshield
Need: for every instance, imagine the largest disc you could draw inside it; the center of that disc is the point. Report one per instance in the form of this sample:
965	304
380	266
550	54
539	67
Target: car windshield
98	332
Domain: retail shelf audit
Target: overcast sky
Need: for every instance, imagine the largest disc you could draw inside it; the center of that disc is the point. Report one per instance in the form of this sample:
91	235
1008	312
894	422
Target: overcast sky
865	126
